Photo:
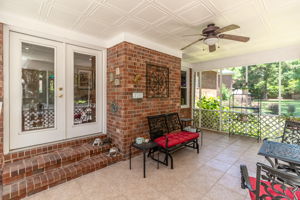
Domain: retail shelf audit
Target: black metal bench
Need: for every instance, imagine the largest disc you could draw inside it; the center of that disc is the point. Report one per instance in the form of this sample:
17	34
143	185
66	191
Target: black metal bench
167	131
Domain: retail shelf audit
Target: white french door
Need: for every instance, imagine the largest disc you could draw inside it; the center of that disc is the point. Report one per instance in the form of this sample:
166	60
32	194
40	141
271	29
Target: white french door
84	88
37	91
55	91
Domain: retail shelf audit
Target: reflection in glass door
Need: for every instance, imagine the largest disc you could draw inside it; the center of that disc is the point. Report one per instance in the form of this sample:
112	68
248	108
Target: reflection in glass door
83	113
36	105
84	88
38	84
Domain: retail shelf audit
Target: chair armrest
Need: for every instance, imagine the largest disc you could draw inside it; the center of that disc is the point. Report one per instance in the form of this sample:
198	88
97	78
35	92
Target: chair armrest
167	141
245	183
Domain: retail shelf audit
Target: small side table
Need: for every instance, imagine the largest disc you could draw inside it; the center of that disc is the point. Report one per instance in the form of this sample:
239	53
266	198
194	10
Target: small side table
145	147
184	121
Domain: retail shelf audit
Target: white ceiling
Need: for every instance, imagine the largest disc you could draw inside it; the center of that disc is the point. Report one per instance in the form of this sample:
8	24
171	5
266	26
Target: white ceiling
269	23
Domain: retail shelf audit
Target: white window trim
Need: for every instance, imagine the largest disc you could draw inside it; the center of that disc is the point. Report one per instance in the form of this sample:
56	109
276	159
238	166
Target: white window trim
6	99
187	70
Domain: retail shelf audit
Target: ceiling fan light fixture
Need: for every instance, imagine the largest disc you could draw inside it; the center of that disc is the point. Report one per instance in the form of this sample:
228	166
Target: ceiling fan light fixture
211	40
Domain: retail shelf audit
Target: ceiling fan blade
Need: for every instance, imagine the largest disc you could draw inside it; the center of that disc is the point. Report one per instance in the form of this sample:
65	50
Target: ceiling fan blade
191	35
227	28
191	43
234	37
212	48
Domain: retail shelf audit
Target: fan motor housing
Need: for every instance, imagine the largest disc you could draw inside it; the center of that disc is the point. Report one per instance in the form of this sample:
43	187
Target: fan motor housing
210	30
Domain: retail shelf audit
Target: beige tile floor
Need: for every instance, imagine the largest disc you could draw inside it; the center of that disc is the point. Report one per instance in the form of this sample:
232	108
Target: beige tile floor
213	174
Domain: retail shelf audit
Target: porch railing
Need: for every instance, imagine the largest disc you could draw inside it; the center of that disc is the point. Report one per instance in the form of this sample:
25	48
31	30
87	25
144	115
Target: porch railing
268	126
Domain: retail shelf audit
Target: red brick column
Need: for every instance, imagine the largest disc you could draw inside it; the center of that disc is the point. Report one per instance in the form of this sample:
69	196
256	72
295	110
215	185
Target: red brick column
130	121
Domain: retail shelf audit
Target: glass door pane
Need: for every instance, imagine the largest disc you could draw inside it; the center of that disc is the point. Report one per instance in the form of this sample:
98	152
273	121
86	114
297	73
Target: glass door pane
38	86
84	88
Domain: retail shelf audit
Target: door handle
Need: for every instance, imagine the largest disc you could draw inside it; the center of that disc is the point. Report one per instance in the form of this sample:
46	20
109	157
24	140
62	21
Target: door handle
60	96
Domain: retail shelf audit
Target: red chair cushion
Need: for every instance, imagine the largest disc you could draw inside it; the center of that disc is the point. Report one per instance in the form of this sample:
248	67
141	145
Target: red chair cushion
270	190
176	138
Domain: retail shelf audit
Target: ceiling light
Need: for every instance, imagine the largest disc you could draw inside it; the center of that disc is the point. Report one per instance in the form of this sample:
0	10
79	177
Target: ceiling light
27	48
211	40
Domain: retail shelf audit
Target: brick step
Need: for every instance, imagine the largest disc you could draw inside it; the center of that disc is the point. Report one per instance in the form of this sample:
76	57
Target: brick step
44	180
38	164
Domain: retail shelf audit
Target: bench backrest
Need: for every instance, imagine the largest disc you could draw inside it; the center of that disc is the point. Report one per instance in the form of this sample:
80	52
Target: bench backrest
157	126
291	134
163	124
173	122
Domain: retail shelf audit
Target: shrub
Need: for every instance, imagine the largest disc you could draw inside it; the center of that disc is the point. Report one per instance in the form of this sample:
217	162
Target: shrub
274	108
210	103
291	109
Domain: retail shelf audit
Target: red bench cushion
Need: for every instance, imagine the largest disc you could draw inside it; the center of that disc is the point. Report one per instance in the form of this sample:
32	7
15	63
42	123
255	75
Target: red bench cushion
270	190
176	138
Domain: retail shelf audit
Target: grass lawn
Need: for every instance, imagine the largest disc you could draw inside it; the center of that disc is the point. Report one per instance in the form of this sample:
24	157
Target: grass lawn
284	106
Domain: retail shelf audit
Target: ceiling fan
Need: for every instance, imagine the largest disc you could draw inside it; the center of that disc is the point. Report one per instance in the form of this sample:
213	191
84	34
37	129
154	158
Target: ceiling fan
211	35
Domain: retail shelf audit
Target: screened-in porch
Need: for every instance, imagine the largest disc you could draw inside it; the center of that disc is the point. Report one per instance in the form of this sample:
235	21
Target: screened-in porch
253	100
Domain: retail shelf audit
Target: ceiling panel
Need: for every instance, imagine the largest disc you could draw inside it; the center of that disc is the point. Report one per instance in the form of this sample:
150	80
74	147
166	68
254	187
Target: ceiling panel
26	8
79	6
196	14
269	23
223	5
92	27
151	14
106	15
175	5
125	5
132	26
170	25
59	16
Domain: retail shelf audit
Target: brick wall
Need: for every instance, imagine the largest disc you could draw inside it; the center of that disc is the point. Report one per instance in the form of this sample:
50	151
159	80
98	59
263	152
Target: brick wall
130	121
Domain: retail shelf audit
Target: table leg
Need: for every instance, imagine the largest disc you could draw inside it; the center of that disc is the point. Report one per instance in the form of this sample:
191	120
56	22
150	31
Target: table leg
157	159
144	164
270	161
130	157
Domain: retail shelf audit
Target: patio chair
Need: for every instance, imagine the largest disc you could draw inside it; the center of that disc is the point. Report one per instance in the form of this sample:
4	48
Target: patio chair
270	183
291	133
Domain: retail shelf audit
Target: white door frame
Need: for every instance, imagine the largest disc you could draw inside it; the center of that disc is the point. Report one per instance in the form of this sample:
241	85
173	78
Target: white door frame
19	138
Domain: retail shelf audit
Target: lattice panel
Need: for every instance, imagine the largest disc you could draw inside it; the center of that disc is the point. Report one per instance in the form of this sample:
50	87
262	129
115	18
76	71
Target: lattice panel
268	126
271	126
226	120
245	124
210	119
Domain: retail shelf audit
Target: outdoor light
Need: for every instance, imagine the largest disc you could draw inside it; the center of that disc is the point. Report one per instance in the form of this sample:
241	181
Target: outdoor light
211	40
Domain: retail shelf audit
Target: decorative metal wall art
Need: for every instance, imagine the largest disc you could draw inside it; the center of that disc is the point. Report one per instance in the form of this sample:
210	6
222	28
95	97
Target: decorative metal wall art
157	78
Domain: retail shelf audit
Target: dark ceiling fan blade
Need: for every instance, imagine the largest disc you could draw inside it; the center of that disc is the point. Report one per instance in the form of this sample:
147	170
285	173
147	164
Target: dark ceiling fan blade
192	35
191	43
212	48
234	37
227	28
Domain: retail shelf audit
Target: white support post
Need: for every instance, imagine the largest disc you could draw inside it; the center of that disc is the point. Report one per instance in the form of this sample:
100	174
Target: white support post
221	108
279	87
200	87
